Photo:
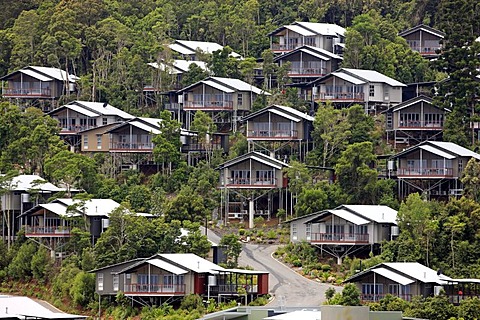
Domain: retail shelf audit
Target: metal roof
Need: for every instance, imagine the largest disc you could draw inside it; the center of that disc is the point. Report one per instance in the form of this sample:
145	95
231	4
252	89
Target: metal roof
92	207
437	151
393	276
55	73
178	66
23	308
285	115
36	75
296	112
181	49
348	78
82	110
425	28
326	29
143	126
377	213
57	208
239	85
217	86
418	271
192	262
349	216
300	30
189	47
456	149
166	266
101	108
414	101
27	182
256	156
373	76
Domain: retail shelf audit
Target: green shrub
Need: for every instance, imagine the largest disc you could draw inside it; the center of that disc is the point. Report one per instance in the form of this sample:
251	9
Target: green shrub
297	263
241	232
83	288
272	235
192	302
326	267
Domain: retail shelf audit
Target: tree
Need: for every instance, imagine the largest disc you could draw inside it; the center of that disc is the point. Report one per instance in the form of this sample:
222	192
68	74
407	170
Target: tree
471	180
167	142
193	75
205	127
233	249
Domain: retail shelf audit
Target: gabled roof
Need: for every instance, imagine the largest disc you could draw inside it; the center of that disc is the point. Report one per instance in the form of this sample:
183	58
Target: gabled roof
227	85
404	272
32	182
360	76
44	74
189	47
178	66
447	150
91	208
286	112
191	262
309	29
312	51
411	102
15	307
93	109
256	156
150	125
359	214
422	27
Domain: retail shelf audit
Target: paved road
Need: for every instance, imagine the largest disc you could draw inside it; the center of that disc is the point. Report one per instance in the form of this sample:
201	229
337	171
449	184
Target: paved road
288	288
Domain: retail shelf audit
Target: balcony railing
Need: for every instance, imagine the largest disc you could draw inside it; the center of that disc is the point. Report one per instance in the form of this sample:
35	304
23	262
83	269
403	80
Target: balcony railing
75	128
340	237
380	296
288	47
173	106
426	50
421	124
343	96
26	92
201	147
211	105
258	182
307	71
233	288
166	289
272	134
425	172
40	231
131	146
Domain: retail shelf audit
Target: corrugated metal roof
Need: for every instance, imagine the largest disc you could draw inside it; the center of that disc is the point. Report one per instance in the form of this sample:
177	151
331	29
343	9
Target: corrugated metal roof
101	110
166	266
181	49
57	208
418	271
36	75
218	86
23	308
348	78
82	110
152	121
26	182
92	207
349	216
373	76
455	148
55	73
300	30
143	126
192	262
377	213
285	115
437	151
326	29
393	276
254	154
178	66
239	85
296	112
324	52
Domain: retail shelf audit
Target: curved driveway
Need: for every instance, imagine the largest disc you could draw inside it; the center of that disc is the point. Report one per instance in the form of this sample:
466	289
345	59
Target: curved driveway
288	288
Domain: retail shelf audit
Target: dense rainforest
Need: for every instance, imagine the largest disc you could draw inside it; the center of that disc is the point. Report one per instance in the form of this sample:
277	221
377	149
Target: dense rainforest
108	43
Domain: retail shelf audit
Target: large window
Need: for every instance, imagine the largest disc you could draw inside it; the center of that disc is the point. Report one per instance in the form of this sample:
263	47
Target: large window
370	289
240	177
115	280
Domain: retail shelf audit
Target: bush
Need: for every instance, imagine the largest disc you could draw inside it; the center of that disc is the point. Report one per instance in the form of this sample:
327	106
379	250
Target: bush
326	267
297	263
21	266
271	235
83	288
192	302
241	232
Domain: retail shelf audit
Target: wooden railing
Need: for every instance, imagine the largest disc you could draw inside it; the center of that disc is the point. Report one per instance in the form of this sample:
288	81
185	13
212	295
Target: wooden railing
288	47
307	71
421	124
233	288
26	92
340	237
76	128
423	172
212	105
155	288
272	134
42	231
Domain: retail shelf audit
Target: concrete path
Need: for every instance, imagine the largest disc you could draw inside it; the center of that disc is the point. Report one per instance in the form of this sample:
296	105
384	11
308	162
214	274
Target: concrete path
288	288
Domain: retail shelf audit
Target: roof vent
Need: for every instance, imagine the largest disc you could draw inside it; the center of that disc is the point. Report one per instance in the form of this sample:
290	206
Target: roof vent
105	104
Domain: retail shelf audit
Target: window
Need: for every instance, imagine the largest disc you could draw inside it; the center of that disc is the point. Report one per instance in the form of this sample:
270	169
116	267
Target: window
100	281
371	291
371	90
104	121
240	176
239	99
85	141
115	282
308	231
460	165
99	141
264	177
294	231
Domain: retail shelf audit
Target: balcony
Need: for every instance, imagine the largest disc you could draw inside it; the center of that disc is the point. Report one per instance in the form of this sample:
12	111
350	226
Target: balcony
75	128
208	105
272	134
173	106
316	72
233	288
201	147
131	147
155	289
427	50
252	183
339	238
425	172
339	96
42	231
276	47
26	92
424	125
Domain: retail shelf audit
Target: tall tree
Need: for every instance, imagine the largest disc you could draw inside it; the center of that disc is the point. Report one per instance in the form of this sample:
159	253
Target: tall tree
167	142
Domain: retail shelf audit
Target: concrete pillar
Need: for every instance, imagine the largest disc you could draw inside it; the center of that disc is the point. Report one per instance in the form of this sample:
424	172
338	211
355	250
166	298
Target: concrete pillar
250	213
